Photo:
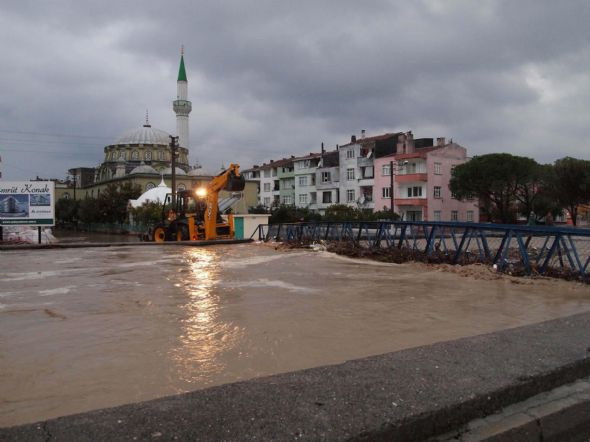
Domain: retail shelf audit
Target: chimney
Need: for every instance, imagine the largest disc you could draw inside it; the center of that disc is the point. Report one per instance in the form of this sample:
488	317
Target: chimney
337	147
272	161
440	141
410	142
401	143
363	134
353	139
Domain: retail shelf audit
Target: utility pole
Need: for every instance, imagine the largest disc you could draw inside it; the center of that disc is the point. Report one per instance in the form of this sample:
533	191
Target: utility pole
391	187
173	153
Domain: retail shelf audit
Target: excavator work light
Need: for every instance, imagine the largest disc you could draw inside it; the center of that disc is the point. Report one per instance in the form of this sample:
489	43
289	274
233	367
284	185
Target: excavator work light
201	192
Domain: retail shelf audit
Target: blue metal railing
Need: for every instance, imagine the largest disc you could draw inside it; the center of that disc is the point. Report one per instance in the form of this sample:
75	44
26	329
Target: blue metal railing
541	249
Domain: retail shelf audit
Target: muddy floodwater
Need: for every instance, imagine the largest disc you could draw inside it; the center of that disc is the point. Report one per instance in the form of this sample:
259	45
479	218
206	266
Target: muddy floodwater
87	328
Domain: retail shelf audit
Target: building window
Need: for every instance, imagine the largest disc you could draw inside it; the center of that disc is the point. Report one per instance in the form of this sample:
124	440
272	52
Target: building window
350	153
386	192
148	155
437	168
350	195
267	201
437	215
303	198
267	173
302	181
135	155
470	216
386	170
326	177
437	190
161	155
181	187
415	191
288	199
350	174
454	215
304	164
66	196
149	186
267	187
327	197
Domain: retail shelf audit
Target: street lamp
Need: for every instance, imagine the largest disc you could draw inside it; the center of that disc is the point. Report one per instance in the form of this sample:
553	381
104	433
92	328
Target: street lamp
400	165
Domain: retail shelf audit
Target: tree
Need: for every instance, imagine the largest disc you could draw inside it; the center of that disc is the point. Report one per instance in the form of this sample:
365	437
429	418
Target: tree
148	213
259	209
502	183
571	184
88	211
291	214
112	203
66	211
340	212
385	214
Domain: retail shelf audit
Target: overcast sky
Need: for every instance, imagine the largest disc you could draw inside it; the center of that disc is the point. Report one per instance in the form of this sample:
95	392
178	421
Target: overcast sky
269	79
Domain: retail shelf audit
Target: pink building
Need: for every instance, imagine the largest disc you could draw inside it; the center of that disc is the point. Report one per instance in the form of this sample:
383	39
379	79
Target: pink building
420	182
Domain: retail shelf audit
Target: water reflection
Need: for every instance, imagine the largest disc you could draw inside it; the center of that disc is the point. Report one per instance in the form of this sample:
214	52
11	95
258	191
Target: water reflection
204	336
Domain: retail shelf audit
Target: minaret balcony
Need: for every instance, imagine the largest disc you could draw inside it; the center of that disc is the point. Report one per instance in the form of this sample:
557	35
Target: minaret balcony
182	107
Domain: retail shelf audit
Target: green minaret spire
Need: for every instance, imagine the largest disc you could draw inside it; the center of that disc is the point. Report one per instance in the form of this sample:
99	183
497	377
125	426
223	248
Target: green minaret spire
181	71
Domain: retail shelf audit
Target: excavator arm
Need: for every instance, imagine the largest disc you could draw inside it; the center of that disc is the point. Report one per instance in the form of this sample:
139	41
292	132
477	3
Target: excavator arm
230	180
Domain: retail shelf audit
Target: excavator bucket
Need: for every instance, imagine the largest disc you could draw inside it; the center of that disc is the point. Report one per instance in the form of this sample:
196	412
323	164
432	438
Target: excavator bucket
235	183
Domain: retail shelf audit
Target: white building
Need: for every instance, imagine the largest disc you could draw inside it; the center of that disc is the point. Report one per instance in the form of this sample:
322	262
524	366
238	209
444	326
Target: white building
305	180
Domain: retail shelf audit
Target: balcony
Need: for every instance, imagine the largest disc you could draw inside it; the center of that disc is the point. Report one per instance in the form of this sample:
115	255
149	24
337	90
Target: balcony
364	162
366	181
411	202
411	177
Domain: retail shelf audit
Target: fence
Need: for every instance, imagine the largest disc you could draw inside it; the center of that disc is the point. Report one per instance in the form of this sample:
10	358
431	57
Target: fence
539	249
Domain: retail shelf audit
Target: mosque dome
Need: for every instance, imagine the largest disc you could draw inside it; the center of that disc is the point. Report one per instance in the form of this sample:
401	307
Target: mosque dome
155	195
200	171
143	168
168	171
145	135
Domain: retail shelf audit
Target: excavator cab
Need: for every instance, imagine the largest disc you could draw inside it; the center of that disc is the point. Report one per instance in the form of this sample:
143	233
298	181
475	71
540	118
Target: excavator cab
178	217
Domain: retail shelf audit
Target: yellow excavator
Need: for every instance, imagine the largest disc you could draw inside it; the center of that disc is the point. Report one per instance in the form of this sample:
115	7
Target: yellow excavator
193	215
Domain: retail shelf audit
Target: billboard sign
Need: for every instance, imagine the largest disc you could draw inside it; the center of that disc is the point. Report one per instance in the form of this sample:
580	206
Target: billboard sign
27	203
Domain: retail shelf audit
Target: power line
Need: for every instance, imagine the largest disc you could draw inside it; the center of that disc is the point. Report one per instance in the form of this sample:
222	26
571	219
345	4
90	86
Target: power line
47	134
40	143
68	152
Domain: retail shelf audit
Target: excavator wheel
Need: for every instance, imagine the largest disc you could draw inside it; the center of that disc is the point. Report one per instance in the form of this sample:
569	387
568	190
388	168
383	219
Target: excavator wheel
159	234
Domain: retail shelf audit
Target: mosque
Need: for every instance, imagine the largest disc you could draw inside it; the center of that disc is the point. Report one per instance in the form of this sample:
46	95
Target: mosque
142	157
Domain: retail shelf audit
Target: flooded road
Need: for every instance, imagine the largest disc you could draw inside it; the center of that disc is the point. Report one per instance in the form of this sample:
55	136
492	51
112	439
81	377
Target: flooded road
82	329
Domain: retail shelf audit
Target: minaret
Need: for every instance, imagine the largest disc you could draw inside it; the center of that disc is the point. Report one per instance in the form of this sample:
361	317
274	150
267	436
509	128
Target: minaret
182	107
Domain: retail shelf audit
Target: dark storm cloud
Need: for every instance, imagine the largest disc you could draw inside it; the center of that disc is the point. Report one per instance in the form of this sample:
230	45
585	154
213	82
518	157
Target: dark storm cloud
268	79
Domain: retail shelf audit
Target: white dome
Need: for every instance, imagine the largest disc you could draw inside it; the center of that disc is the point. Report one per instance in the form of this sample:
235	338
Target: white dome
168	171
145	135
154	195
199	171
143	168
